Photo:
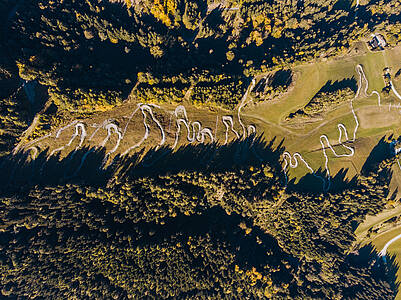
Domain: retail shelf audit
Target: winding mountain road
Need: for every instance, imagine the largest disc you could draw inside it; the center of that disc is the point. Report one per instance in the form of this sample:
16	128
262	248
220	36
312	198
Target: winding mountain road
384	250
229	123
324	140
197	135
79	127
394	90
112	127
195	131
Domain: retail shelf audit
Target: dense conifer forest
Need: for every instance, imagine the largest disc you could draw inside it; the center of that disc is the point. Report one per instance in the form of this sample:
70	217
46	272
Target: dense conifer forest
205	221
89	54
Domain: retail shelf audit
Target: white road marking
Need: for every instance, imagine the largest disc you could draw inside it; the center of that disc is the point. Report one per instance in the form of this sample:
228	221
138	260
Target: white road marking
112	127
197	135
384	250
78	127
394	90
242	104
229	119
324	140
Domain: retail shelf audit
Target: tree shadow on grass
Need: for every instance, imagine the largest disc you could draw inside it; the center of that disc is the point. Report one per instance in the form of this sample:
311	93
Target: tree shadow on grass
88	165
318	182
252	151
379	153
114	223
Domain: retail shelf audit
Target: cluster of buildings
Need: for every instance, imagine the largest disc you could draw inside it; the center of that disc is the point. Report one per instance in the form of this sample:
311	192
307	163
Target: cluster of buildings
378	42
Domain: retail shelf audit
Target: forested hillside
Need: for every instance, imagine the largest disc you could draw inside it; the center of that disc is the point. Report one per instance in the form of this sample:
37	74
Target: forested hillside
212	212
201	222
90	54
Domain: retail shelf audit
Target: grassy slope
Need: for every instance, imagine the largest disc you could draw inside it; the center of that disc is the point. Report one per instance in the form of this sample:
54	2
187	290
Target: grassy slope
306	138
268	118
